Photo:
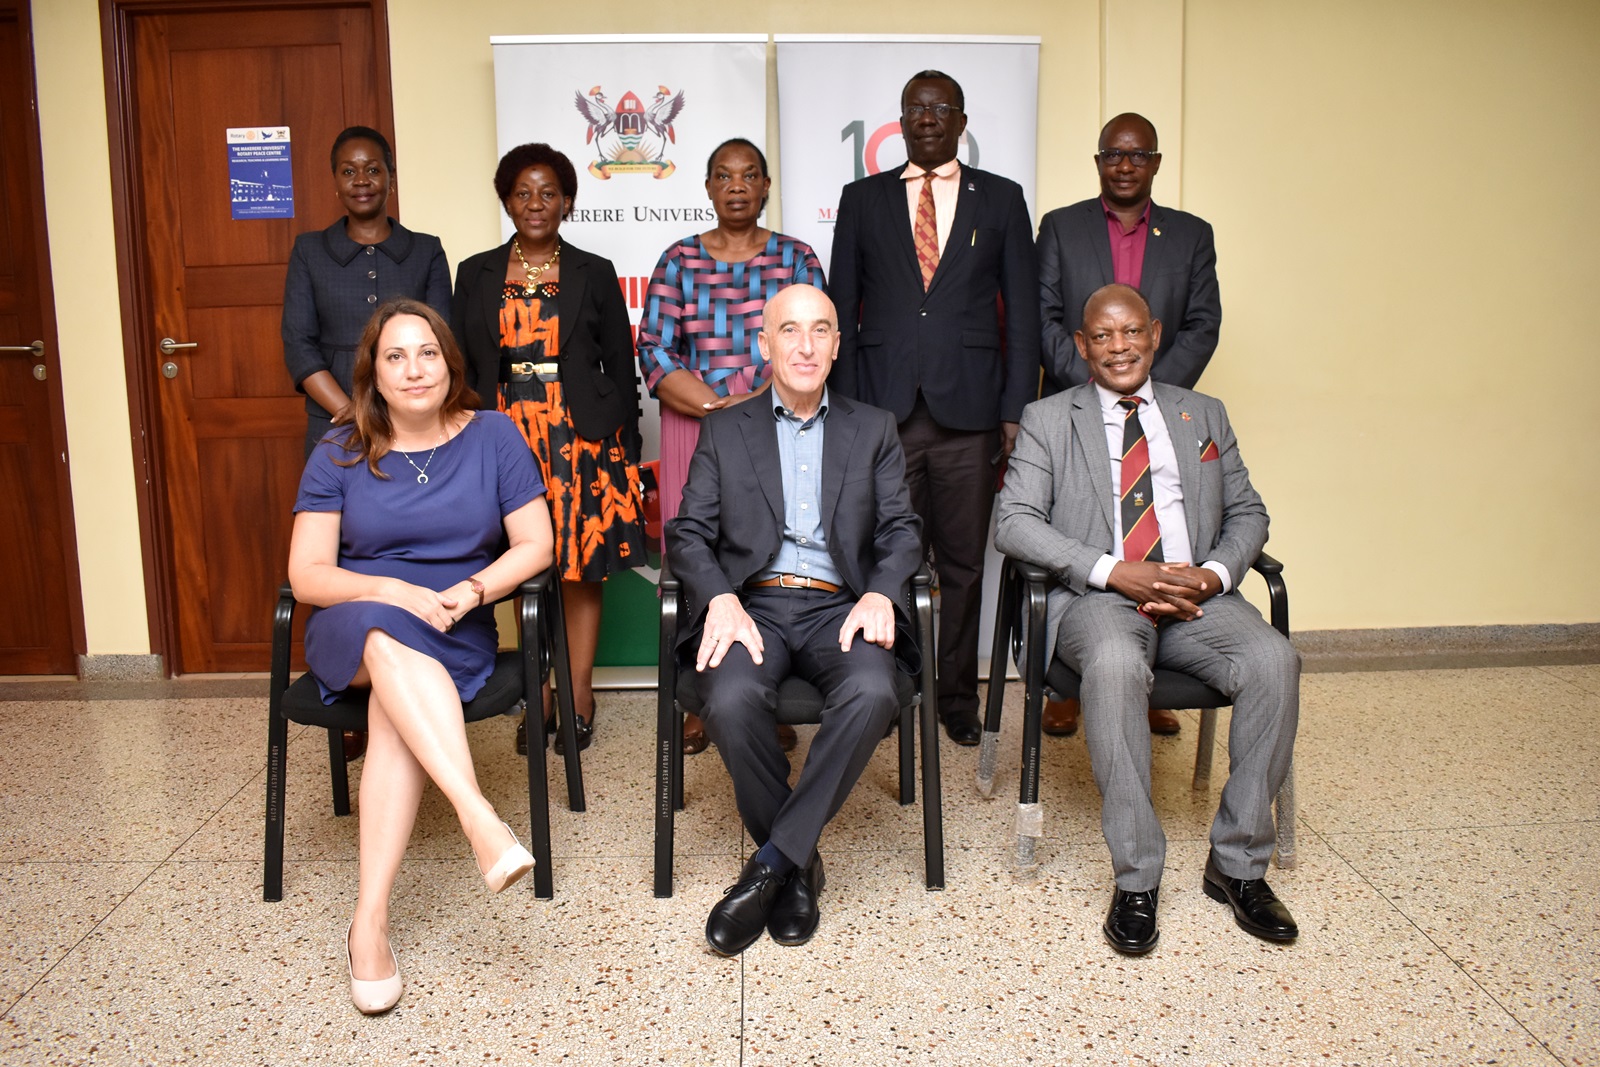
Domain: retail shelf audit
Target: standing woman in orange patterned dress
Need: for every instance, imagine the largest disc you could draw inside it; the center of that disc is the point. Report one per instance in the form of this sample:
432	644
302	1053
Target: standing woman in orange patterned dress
546	335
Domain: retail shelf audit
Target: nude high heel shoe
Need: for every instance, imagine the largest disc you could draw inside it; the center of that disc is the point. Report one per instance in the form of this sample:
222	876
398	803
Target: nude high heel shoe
513	863
377	996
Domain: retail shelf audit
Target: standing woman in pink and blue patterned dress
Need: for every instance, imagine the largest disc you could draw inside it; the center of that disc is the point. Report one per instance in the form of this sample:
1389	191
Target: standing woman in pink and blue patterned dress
697	338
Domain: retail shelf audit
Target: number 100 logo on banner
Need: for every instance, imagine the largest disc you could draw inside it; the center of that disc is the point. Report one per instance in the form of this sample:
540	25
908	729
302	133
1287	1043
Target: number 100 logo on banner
839	114
867	148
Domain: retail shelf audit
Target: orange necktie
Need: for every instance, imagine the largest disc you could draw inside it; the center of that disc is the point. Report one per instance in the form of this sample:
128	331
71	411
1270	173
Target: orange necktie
926	233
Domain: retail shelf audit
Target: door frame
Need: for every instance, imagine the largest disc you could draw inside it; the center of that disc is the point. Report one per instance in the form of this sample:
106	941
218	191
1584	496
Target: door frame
51	338
140	357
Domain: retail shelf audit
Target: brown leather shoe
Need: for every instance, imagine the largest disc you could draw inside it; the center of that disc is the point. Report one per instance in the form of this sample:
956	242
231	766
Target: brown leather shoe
1163	722
787	737
694	735
355	744
1060	718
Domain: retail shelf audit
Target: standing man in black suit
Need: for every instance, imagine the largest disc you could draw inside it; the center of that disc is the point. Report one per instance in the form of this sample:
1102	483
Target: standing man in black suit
795	544
936	282
1123	236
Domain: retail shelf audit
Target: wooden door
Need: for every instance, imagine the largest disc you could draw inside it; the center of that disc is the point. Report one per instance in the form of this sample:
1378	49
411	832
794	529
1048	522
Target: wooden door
40	612
228	424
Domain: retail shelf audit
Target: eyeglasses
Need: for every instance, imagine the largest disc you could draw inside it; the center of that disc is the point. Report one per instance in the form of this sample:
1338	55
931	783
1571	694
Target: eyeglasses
940	111
1111	157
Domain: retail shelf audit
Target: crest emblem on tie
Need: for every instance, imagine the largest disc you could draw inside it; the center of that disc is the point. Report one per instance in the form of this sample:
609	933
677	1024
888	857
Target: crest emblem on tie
1138	500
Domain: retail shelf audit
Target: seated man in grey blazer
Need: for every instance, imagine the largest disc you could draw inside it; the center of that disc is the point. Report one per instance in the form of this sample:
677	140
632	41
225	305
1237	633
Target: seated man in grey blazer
795	544
1133	494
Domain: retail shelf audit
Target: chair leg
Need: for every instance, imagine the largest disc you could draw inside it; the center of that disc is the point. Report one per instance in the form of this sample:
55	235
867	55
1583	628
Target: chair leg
989	745
1204	748
565	712
339	772
932	789
908	755
1286	819
1030	816
277	766
669	785
539	812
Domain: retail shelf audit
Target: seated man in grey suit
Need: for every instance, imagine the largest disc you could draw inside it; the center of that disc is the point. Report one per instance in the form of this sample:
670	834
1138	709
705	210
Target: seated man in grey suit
1133	494
795	544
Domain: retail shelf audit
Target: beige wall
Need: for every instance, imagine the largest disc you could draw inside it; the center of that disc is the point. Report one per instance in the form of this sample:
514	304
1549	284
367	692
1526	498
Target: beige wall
1365	166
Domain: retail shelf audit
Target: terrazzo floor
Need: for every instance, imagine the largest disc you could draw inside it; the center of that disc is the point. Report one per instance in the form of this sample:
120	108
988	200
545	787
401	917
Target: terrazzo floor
1447	890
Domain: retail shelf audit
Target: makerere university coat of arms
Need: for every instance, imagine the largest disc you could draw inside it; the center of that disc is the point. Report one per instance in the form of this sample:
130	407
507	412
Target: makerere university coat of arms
631	138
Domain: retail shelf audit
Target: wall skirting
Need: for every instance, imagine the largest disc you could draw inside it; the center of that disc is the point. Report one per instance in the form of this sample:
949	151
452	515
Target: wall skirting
112	668
1423	647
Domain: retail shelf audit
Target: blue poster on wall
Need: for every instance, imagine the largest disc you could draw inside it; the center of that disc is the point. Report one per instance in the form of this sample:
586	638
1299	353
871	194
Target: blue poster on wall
260	183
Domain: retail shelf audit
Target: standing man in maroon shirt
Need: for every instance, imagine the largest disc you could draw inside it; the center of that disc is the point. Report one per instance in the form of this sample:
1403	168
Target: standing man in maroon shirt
1123	236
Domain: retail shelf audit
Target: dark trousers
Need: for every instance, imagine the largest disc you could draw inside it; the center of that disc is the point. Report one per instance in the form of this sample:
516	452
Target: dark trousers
800	633
952	490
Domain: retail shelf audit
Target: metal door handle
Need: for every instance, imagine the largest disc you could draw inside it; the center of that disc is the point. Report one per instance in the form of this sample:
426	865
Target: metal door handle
37	348
169	346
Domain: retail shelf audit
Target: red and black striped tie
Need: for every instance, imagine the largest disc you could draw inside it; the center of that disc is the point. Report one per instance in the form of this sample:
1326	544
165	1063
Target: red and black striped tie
1141	536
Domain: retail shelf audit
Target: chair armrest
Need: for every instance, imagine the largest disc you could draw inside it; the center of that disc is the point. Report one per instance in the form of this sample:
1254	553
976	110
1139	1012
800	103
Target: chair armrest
923	579
669	585
1277	592
537	584
1029	572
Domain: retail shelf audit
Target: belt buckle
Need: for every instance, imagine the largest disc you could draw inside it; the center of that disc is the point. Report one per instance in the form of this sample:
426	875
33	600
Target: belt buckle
522	372
801	581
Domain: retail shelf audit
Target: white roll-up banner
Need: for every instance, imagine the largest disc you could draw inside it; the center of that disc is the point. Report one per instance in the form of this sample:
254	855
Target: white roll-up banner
839	121
839	114
638	115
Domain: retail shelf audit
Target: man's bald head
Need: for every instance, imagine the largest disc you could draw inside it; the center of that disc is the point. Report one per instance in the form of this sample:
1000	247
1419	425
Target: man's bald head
1133	122
1115	291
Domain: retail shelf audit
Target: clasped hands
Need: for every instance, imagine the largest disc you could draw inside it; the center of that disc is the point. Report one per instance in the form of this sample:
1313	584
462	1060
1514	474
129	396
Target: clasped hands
1175	590
728	624
440	609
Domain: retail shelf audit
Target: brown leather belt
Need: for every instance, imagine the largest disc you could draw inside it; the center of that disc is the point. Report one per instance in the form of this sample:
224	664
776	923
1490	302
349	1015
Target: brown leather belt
794	581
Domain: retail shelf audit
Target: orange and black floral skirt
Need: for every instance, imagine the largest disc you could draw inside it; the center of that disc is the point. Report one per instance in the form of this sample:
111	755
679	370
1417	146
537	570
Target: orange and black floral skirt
592	489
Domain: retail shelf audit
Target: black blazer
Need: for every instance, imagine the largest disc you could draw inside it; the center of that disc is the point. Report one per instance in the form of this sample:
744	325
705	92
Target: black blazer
598	379
976	368
730	526
1179	279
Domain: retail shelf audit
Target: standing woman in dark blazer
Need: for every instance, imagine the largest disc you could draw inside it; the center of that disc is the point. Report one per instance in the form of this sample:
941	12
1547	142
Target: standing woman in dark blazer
338	276
546	336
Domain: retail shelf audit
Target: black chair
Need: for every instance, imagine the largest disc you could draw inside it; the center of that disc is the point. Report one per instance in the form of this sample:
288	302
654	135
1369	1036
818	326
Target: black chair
799	703
1023	588
513	686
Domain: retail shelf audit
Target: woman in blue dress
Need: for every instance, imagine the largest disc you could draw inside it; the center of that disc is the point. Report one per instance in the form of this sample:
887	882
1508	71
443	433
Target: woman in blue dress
396	541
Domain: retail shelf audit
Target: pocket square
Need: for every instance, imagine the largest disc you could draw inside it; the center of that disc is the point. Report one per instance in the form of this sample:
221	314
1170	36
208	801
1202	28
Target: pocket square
1208	451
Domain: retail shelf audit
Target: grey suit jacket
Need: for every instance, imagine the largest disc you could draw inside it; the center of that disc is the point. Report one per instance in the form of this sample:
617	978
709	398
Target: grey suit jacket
1055	508
1179	279
731	523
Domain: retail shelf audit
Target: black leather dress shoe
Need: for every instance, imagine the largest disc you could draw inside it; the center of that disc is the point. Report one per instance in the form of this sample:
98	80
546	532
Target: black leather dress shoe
583	728
738	919
963	727
1130	925
1256	908
795	915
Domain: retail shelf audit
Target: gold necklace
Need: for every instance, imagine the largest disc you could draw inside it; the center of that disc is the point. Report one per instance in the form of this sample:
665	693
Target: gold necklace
534	273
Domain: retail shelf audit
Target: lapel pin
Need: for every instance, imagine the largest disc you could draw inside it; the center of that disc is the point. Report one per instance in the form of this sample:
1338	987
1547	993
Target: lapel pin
971	188
1185	415
1156	230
